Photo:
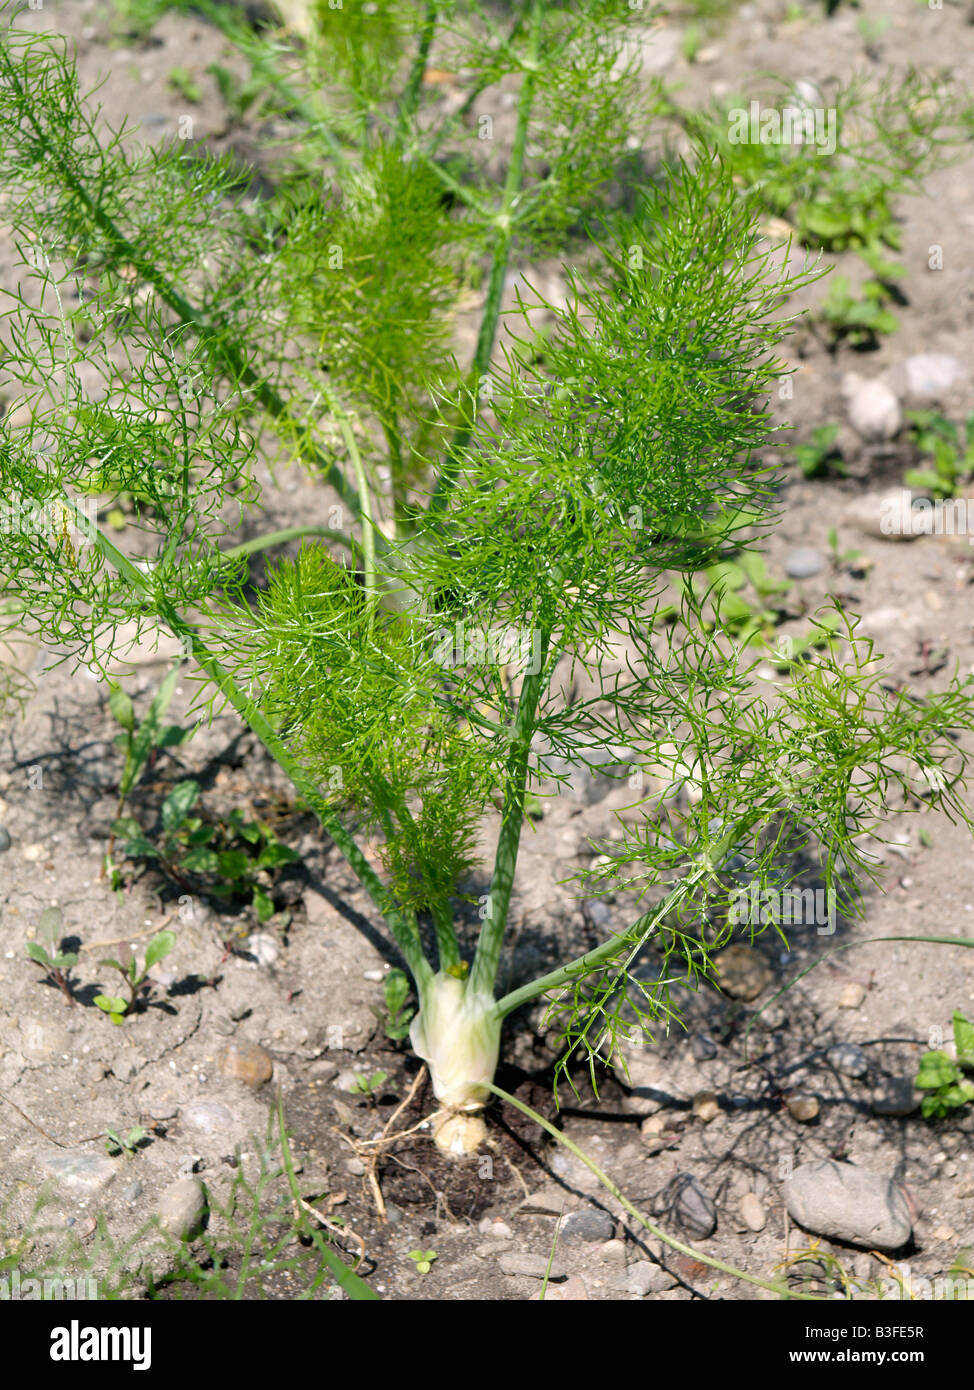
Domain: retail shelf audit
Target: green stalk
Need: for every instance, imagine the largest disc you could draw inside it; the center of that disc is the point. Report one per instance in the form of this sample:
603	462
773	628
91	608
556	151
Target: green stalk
641	929
230	354
446	938
364	496
410	97
290	533
504	223
406	938
483	973
637	1215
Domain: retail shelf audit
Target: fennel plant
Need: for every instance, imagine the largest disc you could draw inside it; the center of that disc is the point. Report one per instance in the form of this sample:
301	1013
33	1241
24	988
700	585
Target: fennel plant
494	519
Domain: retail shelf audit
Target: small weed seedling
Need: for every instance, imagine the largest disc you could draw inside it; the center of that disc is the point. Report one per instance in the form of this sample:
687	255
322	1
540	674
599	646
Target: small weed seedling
395	1017
944	1078
424	1260
950	464
136	981
819	455
127	1144
57	963
231	859
370	1086
850	560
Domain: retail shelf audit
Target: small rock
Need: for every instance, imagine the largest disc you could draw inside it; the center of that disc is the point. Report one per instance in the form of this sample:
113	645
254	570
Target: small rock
350	1081
643	1277
588	1225
752	1212
531	1267
573	1290
690	1206
804	563
742	972
545	1204
926	378
133	1192
323	1070
493	1248
354	1166
207	1116
32	853
802	1107
706	1106
376	976
703	1047
874	412
772	1018
895	1095
182	1207
496	1230
247	1062
887	516
4	839
612	1252
849	1059
847	1203
77	1172
263	947
852	996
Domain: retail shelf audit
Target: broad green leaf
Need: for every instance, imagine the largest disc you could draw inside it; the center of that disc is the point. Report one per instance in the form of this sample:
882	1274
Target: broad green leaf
274	854
234	864
159	947
200	860
263	905
37	953
110	1004
179	803
963	1039
50	924
122	708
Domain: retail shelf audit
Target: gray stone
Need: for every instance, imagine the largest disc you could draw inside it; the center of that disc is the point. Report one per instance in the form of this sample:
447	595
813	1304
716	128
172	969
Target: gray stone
690	1206
182	1207
895	1095
803	563
208	1116
848	1059
752	1212
643	1277
531	1267
926	378
847	1203
77	1172
874	412
545	1204
703	1047
588	1225
4	839
263	947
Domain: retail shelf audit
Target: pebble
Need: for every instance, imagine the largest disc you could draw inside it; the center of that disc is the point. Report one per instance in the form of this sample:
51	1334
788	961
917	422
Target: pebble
592	1226
848	1203
803	1107
497	1230
895	1095
207	1116
133	1192
742	972
32	852
492	1248
752	1212
873	409
531	1267
643	1277
690	1206
886	516
804	563
247	1062
182	1207
572	1290
852	996
4	839
612	1252
263	947
374	975
545	1204
77	1172
706	1106
703	1047
849	1059
925	378
354	1166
